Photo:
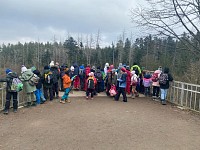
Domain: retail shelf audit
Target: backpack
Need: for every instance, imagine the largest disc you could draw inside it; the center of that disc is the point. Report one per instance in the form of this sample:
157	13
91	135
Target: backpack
90	84
99	76
48	78
16	85
33	80
134	82
163	78
154	77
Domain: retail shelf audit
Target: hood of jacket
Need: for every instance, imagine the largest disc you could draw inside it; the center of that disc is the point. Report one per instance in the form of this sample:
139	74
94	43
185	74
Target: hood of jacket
26	75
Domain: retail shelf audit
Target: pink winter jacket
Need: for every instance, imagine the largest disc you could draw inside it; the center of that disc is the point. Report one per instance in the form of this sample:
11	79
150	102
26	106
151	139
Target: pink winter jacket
157	83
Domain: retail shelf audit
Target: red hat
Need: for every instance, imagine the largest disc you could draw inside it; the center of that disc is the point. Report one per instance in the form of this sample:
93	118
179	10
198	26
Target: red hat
123	69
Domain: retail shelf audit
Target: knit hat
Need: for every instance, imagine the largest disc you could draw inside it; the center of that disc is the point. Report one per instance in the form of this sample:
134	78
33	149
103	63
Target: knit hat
72	68
157	71
81	67
91	74
33	68
123	69
51	64
57	64
23	69
107	65
128	67
46	67
8	71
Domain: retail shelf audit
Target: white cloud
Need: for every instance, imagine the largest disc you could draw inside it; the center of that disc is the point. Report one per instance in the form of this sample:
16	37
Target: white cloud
33	19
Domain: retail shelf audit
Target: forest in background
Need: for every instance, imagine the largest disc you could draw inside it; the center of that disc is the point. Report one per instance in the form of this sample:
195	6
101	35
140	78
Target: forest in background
167	47
148	52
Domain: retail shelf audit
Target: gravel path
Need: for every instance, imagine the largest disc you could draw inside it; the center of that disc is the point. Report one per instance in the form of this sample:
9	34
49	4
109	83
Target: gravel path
100	124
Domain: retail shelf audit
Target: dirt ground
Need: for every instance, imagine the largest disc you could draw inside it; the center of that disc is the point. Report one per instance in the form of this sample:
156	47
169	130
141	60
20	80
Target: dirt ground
100	124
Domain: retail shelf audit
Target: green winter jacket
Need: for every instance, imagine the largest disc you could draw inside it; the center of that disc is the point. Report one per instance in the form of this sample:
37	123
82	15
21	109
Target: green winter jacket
25	77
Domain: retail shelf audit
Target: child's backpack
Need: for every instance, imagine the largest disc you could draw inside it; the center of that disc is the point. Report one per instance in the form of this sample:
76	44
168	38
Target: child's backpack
113	90
163	78
34	80
48	78
99	76
134	81
154	77
146	82
91	83
16	85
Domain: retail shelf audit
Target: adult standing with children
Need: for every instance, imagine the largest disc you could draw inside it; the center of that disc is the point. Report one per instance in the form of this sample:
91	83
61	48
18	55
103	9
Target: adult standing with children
9	91
26	75
47	81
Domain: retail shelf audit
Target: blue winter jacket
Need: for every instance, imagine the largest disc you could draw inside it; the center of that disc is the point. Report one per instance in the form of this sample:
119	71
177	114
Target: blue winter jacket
122	81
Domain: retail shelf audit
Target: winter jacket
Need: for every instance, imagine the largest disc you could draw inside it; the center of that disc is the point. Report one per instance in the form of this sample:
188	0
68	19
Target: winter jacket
46	85
76	69
66	81
8	80
147	82
39	85
128	78
56	73
25	77
71	74
87	71
122	80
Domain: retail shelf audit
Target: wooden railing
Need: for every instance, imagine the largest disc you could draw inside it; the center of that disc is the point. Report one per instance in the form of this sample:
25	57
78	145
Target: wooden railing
185	95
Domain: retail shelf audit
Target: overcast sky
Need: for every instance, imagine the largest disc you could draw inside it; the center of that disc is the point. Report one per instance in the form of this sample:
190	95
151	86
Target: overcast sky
30	20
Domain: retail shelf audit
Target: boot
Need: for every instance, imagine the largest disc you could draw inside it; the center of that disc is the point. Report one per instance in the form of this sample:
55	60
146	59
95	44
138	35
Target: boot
34	103
15	110
125	100
5	112
163	102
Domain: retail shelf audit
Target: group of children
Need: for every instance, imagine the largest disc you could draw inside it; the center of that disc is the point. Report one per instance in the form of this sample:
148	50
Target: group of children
135	81
123	80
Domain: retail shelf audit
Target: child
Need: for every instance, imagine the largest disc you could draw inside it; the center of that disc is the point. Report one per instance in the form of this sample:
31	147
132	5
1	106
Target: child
91	82
38	93
134	82
66	85
122	86
164	80
155	84
147	84
9	92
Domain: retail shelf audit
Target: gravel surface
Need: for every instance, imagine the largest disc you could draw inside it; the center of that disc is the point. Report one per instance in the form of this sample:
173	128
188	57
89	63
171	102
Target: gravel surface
100	124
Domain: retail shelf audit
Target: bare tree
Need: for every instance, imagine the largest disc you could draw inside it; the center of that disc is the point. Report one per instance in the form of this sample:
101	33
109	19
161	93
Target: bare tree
171	18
